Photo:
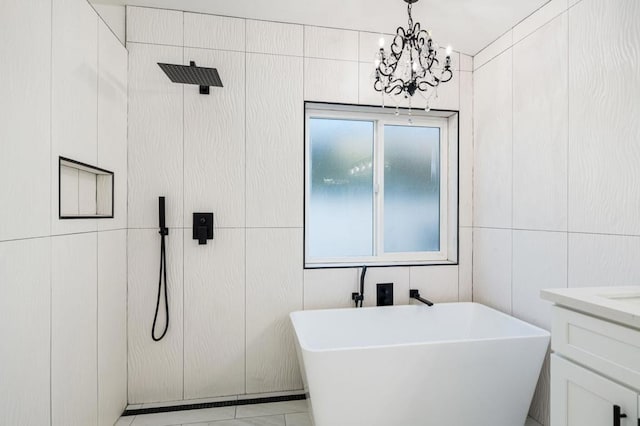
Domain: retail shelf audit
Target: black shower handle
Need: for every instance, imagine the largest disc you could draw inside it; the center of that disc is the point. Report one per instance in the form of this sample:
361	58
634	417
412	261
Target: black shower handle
617	415
161	217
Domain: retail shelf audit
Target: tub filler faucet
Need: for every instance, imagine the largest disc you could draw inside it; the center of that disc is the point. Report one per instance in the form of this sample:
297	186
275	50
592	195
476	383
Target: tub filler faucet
415	294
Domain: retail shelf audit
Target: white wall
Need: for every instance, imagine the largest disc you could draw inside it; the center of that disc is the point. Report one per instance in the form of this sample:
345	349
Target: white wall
62	283
556	154
239	153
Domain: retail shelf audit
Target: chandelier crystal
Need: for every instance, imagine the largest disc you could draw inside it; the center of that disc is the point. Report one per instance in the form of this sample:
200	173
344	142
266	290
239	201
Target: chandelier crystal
411	65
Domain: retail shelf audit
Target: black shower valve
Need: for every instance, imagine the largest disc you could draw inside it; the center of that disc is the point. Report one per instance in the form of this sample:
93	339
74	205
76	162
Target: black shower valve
202	227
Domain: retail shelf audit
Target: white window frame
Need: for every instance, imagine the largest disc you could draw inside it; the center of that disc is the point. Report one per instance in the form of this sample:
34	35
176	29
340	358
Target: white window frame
381	117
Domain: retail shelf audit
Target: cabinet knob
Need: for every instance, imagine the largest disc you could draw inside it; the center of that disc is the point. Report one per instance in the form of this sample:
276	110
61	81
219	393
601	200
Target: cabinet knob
617	415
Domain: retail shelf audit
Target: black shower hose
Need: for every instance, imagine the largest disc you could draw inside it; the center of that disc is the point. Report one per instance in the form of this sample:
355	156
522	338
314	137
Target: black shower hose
163	274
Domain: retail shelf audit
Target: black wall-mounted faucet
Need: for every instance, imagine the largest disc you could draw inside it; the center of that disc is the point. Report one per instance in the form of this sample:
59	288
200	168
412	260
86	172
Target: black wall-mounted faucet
415	294
359	297
202	227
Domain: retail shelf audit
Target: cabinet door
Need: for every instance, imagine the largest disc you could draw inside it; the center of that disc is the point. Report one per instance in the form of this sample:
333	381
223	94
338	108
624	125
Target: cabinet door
580	397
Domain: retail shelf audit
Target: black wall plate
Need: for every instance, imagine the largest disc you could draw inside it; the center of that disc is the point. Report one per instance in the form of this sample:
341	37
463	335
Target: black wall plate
202	227
384	294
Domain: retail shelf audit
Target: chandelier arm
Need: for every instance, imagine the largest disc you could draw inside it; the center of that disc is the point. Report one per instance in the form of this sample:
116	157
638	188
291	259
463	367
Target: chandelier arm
398	42
449	75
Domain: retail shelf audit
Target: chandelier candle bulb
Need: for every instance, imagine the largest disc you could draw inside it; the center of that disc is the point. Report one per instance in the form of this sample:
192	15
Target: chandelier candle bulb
381	42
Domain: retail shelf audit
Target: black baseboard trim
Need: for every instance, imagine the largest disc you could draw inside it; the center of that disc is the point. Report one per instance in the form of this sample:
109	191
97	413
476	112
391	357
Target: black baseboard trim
232	403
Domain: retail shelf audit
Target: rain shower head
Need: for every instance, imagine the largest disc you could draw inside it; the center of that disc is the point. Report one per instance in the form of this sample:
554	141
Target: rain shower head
191	74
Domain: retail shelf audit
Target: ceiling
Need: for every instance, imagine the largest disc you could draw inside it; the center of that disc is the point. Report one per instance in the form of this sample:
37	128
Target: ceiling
467	25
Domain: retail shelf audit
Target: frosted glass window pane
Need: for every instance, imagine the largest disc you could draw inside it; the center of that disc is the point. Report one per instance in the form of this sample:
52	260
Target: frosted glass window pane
411	189
340	217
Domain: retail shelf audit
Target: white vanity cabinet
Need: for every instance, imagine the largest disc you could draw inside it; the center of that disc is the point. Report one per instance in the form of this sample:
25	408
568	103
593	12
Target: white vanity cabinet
595	365
580	397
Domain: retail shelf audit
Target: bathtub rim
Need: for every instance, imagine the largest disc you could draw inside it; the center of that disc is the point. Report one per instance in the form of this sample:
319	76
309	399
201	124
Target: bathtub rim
537	332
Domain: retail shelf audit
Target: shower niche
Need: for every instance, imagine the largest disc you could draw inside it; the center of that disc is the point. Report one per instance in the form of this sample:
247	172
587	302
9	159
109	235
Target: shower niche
84	191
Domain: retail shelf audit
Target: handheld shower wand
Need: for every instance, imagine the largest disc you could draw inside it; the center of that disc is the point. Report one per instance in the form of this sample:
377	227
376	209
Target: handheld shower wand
164	231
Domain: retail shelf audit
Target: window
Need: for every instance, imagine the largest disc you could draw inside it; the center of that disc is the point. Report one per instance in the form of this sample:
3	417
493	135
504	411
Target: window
380	189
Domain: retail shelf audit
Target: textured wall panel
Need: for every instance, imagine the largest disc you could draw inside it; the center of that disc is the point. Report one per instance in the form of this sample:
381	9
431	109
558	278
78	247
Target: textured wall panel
492	168
155	368
436	283
25	271
465	267
492	268
330	288
503	43
274	38
602	260
214	141
112	326
214	297
25	87
159	26
329	43
603	114
538	19
112	120
74	369
275	148
539	262
155	136
465	165
74	103
540	129
274	285
214	32
330	81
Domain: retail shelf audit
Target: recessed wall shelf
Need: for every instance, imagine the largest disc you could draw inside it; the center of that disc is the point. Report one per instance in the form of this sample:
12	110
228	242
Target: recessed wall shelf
84	191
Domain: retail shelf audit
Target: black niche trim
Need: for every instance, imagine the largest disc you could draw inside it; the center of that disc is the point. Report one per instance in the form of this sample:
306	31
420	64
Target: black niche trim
232	403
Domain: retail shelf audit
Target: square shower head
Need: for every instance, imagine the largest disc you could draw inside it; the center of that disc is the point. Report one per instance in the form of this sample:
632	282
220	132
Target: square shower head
192	74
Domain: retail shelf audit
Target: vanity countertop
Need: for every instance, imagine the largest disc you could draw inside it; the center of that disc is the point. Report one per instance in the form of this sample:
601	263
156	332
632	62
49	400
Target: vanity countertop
617	304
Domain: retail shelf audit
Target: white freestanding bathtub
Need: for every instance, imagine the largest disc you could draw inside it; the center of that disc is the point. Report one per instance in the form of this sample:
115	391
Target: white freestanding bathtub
453	364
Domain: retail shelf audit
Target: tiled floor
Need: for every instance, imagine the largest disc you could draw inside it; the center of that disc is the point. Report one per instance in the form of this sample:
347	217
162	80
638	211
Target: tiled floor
292	413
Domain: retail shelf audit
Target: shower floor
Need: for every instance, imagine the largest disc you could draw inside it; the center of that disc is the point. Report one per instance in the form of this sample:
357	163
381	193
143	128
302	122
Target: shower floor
290	413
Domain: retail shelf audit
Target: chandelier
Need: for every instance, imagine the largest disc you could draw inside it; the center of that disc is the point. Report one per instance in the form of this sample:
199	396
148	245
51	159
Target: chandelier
411	64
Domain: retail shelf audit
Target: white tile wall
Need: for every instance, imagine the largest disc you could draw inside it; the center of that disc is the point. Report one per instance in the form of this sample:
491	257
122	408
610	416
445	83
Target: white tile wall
155	368
25	37
74	100
492	191
369	45
465	268
86	193
465	165
274	38
146	25
438	284
275	117
155	136
492	268
503	43
214	142
329	43
214	32
539	18
274	289
328	80
330	288
112	325
539	262
112	120
25	273
540	126
74	373
214	323
603	260
603	129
